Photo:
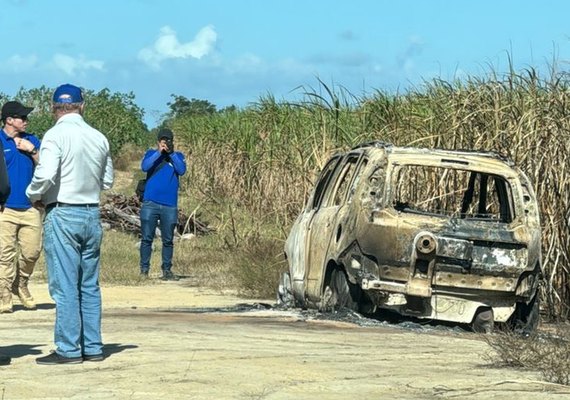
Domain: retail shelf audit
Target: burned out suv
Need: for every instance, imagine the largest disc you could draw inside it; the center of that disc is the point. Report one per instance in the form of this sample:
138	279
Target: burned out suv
433	234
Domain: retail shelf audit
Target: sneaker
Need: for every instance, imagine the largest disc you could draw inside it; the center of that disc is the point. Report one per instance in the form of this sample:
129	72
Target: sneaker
93	357
54	358
144	274
169	276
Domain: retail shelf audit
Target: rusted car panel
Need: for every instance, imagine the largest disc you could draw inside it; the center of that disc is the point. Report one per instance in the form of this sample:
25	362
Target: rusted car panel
437	234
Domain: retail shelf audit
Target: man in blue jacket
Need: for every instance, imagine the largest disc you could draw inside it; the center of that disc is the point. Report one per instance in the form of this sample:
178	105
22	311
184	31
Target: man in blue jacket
163	166
20	223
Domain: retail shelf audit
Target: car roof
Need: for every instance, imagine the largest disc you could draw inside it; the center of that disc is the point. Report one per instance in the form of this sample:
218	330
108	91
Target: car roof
468	159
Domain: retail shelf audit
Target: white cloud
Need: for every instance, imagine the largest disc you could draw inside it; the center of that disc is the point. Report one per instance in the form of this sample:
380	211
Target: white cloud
72	66
18	63
168	46
413	50
249	61
354	59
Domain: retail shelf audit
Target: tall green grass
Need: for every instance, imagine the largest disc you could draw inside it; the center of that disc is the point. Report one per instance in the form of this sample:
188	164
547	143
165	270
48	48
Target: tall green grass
265	158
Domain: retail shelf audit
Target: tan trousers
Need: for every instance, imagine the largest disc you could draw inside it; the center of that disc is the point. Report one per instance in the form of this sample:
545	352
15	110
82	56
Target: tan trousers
20	232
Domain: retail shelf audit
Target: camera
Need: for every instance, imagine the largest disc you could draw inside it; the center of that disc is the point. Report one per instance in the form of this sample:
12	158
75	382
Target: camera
170	143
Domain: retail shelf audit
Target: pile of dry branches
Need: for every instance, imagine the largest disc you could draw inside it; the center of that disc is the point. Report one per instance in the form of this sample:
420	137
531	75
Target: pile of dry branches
121	213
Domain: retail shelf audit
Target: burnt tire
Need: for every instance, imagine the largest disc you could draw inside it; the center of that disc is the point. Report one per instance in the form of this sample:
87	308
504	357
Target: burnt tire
285	296
526	317
343	293
484	321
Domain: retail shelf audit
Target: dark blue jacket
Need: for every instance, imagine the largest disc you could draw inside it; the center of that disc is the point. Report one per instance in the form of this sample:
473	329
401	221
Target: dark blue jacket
4	182
162	187
20	169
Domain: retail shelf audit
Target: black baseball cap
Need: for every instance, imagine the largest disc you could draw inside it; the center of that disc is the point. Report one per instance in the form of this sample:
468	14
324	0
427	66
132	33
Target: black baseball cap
165	133
15	109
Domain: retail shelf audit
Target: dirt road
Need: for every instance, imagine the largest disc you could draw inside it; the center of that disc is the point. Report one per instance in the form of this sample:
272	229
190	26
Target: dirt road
165	342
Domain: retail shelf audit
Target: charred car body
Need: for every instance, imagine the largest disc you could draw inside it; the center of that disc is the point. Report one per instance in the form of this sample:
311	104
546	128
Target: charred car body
434	234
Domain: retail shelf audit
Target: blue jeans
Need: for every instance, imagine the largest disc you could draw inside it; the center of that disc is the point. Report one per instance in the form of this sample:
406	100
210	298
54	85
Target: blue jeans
151	214
72	242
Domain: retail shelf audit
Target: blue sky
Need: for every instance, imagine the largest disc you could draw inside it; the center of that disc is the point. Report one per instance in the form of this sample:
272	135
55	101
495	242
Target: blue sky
234	51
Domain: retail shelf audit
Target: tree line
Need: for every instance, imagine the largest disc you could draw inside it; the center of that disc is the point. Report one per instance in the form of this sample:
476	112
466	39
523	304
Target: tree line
115	114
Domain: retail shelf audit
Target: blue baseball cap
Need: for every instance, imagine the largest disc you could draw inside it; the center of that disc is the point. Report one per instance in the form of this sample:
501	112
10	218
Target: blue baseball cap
67	93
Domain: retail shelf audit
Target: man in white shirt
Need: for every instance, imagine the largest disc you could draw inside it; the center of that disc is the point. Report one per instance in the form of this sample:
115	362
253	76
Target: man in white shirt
75	165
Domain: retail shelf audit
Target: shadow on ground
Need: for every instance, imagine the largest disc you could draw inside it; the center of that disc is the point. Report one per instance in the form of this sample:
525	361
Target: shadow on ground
113	348
42	306
20	350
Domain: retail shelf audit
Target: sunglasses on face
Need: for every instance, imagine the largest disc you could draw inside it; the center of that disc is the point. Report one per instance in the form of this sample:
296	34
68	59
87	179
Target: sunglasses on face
23	117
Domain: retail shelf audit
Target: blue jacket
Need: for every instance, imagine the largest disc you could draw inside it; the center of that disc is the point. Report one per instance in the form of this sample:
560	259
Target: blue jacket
20	166
4	182
162	187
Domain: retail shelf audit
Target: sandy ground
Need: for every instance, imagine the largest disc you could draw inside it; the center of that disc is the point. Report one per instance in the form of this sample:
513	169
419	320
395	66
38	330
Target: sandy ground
167	341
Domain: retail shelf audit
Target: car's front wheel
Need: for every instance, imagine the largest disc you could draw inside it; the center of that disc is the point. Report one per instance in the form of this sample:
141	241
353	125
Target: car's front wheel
285	297
343	294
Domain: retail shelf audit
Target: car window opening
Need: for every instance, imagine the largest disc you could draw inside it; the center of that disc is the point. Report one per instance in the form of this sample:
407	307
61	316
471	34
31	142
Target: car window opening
323	181
453	192
345	179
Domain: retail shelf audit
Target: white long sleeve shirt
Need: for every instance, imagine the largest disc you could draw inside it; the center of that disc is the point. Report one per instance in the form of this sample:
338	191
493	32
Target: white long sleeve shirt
75	164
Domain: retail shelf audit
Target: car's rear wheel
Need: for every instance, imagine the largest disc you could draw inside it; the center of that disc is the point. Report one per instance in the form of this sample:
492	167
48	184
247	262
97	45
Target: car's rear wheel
343	293
483	322
526	317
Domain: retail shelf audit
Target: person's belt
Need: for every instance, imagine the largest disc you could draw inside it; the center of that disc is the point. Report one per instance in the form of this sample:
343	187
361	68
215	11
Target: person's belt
60	204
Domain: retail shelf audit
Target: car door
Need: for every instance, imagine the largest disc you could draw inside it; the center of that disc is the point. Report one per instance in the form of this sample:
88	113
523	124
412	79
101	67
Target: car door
323	225
297	243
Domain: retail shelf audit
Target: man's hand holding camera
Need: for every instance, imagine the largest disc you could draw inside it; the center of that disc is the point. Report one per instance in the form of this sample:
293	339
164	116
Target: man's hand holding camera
166	146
